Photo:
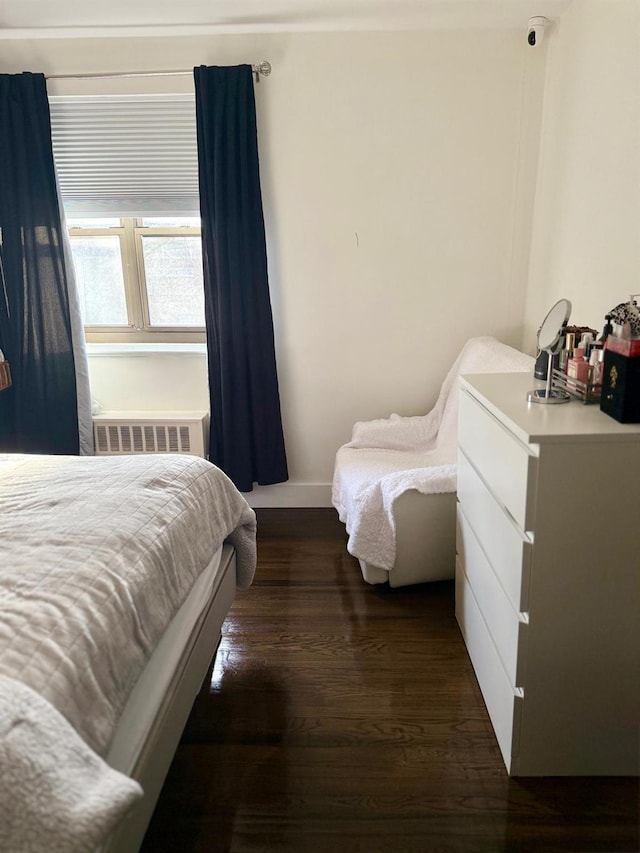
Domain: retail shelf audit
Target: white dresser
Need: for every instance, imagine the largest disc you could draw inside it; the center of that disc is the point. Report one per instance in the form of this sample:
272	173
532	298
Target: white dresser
548	577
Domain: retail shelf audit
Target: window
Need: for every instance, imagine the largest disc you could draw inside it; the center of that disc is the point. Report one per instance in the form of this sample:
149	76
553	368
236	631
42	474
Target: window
127	167
139	279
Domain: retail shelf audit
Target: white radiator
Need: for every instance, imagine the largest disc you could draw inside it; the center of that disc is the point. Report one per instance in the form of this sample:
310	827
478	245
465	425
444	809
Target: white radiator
119	433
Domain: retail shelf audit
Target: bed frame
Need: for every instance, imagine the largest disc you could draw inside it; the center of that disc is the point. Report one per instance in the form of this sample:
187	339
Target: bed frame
150	764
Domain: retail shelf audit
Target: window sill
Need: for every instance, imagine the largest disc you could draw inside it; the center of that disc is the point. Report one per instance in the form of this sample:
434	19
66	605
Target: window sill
104	350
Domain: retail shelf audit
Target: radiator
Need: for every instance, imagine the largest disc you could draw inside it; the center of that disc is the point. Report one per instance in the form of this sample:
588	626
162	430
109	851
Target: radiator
119	433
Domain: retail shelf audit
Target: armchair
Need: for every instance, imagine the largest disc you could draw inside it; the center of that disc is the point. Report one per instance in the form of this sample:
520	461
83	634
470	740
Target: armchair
394	483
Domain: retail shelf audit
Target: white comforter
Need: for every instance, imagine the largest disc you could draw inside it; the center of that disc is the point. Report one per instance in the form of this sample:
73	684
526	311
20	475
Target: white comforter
96	556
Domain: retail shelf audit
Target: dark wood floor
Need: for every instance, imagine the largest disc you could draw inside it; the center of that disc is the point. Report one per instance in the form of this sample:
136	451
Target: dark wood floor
342	717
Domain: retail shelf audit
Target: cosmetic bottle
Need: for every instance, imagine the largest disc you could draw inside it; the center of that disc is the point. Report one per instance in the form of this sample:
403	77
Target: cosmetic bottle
596	364
586	342
542	363
567	351
578	354
608	329
577	368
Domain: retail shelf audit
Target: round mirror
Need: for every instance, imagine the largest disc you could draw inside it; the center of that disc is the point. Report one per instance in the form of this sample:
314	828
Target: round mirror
549	335
550	331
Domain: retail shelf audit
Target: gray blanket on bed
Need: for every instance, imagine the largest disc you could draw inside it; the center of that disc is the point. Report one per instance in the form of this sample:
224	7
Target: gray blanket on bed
97	554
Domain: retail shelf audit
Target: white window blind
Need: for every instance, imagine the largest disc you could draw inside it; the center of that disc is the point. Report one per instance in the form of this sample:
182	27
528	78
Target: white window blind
126	155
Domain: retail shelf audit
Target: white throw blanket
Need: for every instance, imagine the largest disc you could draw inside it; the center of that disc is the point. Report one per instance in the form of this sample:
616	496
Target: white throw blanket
387	457
96	556
56	794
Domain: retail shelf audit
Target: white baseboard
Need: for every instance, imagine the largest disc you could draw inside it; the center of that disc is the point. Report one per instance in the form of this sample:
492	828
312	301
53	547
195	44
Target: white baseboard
290	495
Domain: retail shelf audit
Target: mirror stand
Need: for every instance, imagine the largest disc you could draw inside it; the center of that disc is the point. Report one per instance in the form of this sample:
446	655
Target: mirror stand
548	394
550	341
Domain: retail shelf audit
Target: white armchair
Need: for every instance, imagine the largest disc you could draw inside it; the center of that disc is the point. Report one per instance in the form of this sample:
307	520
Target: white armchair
394	483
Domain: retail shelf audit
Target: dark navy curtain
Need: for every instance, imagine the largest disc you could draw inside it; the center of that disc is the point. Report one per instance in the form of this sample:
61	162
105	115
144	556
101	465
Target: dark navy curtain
39	413
246	438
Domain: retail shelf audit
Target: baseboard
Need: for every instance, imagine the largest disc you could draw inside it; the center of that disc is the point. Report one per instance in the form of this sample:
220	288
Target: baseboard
290	495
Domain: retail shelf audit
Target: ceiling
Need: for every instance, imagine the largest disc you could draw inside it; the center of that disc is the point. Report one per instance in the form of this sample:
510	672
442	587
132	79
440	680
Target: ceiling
69	18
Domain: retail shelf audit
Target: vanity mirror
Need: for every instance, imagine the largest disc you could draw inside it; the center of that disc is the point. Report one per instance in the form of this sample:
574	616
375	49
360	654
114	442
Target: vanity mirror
550	340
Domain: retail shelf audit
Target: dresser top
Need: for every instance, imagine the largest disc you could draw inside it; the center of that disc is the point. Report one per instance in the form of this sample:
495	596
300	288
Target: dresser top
505	396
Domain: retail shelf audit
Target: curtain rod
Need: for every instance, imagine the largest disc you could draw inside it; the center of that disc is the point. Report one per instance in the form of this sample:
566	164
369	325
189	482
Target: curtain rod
262	68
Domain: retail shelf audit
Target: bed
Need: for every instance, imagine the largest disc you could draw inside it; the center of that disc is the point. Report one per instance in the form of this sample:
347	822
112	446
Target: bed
116	574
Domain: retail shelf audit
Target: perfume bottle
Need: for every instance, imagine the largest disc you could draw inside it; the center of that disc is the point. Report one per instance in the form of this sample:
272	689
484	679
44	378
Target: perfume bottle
567	351
577	368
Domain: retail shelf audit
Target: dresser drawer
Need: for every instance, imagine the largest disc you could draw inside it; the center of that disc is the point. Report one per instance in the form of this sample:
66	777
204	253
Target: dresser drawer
507	548
503	703
506	465
508	628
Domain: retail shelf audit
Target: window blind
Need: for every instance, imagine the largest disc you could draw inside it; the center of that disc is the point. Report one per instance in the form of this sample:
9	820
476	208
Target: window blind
126	155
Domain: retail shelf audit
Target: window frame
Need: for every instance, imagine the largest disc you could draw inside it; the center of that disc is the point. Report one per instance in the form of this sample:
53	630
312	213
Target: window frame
139	328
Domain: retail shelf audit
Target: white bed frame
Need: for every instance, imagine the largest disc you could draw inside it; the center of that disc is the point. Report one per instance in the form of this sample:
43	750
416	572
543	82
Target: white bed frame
150	764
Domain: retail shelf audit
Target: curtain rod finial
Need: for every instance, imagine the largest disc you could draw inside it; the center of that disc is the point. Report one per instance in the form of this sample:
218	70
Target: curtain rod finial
263	68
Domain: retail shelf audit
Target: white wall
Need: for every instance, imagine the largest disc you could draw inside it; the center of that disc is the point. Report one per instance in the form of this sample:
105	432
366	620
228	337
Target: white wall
139	378
397	172
586	239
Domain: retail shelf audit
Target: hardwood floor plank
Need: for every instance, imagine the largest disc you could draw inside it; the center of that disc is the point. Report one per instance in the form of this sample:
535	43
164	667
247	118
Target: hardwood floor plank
342	717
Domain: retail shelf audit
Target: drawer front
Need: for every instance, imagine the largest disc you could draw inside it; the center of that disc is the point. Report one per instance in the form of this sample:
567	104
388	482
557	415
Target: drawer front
504	706
506	626
507	548
504	463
